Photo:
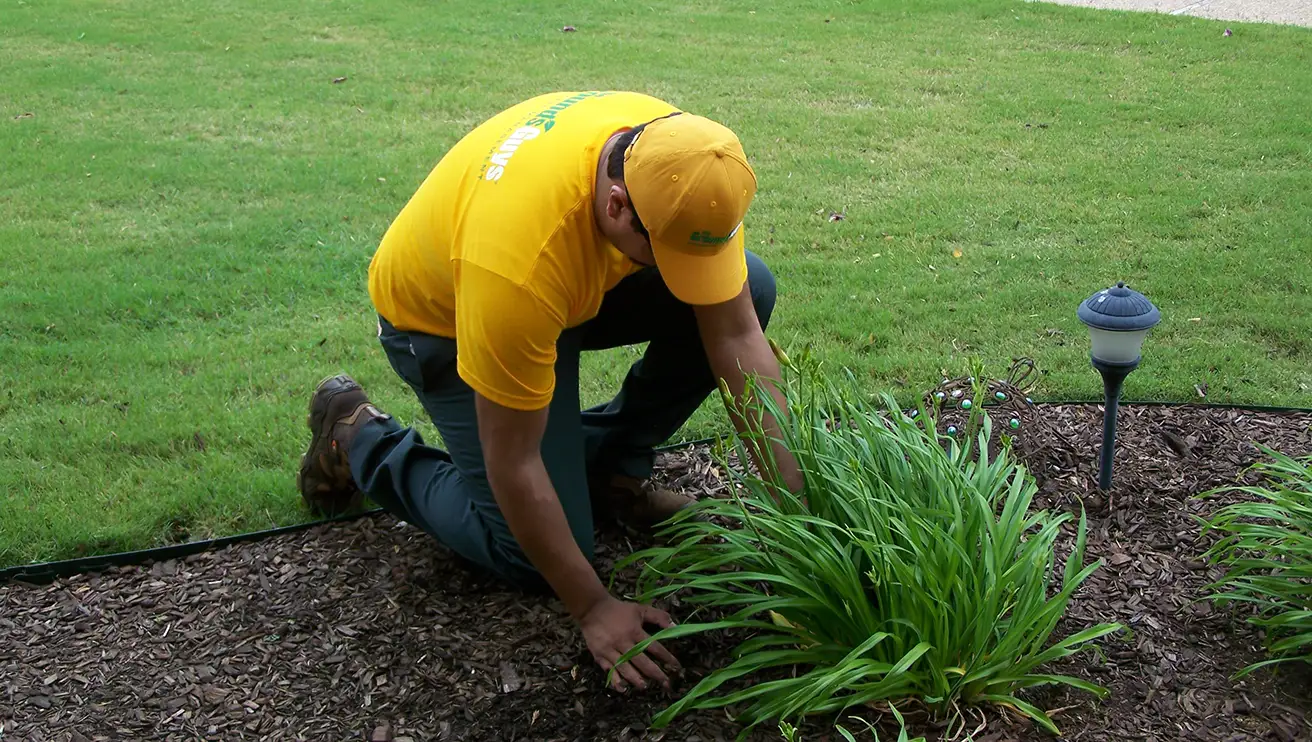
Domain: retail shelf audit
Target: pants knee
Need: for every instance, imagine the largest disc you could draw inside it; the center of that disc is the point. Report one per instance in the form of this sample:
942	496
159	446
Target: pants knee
589	549
761	284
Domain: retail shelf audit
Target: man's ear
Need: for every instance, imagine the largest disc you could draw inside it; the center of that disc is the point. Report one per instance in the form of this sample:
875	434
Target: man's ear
616	201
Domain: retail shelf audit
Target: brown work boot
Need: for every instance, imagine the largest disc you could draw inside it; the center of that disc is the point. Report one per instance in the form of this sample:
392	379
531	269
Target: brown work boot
338	409
639	502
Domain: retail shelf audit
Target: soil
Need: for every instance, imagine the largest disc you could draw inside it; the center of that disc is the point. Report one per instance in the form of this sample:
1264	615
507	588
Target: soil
368	630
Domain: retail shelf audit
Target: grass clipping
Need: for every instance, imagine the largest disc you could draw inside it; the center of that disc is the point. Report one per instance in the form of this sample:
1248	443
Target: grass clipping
911	569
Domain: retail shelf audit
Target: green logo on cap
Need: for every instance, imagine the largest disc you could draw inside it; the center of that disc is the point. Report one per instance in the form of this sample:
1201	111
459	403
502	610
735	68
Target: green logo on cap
706	238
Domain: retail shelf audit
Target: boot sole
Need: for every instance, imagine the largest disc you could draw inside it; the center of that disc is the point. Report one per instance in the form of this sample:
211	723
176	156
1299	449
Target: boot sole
314	420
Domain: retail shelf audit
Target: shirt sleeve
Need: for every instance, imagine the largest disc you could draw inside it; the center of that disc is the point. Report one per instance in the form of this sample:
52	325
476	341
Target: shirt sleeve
506	339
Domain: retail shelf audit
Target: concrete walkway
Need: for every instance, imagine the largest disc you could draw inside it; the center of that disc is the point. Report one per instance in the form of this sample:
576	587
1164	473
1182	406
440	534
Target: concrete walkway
1296	12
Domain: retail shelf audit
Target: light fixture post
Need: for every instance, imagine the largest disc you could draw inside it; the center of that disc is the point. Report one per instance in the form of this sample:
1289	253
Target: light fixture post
1119	319
1113	378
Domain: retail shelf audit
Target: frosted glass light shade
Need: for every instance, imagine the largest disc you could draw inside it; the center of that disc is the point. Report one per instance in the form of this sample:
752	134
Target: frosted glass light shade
1112	346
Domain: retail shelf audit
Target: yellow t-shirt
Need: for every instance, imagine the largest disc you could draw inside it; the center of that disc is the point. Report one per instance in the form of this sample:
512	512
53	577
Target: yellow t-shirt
499	248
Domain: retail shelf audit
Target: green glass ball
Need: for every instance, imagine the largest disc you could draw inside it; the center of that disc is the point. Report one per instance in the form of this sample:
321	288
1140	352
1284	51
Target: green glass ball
1001	395
1014	423
965	404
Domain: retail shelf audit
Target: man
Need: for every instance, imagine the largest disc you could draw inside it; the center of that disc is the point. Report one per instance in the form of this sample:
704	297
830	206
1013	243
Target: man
569	222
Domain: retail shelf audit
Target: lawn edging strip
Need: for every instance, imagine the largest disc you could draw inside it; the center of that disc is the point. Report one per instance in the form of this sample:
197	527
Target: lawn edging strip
46	572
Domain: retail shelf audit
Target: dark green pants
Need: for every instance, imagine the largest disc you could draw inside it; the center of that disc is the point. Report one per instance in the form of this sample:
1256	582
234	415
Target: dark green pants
446	492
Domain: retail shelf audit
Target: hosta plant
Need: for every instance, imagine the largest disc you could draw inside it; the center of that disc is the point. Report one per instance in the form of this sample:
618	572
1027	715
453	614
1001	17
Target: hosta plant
909	570
1266	550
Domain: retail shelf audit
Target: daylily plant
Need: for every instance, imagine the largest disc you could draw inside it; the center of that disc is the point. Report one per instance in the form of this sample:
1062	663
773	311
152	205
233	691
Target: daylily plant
910	570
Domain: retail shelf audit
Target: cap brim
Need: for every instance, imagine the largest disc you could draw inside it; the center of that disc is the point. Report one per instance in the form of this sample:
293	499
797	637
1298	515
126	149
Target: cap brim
702	278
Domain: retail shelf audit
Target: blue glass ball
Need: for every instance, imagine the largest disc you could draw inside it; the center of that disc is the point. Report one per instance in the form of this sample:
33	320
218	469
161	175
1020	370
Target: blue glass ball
952	430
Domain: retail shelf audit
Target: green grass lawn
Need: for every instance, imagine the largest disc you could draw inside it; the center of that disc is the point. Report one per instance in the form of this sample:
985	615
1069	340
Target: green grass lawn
189	201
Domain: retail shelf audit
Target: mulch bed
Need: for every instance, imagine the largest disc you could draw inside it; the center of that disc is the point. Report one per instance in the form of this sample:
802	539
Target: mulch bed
368	630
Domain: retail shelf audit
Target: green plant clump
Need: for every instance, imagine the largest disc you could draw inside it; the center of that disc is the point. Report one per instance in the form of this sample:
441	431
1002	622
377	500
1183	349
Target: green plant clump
790	733
1266	548
910	569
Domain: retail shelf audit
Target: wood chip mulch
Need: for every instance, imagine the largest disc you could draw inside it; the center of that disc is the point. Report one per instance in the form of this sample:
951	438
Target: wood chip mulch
367	630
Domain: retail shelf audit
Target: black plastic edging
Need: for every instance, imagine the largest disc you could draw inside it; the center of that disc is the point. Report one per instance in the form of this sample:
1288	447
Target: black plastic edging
50	571
46	572
1200	405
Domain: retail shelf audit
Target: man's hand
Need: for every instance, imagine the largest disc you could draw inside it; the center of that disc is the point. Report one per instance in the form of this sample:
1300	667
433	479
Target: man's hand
613	627
512	442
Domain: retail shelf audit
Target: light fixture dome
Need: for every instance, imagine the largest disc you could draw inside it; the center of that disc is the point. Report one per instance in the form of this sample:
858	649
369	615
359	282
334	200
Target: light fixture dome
1119	319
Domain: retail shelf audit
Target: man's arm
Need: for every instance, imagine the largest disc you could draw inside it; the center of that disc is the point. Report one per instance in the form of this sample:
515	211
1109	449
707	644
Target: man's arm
737	348
511	441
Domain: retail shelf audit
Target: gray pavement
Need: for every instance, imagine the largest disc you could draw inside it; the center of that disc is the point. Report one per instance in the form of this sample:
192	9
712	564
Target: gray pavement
1295	12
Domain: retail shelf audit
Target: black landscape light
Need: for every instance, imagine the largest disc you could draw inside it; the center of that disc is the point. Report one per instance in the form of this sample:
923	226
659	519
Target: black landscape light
1119	319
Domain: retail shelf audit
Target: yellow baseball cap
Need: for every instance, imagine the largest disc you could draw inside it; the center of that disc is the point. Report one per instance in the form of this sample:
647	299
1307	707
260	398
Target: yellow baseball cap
690	184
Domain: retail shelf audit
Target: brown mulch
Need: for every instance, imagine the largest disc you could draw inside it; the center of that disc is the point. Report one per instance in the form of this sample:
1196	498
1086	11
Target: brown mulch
368	630
1172	678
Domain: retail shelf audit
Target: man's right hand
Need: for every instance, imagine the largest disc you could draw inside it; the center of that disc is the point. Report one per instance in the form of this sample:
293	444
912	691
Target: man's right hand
512	450
613	627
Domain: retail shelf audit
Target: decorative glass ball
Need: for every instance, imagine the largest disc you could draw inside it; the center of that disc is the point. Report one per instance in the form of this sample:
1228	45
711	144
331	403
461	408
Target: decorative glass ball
1015	423
1027	399
956	392
1001	395
952	430
940	395
965	404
